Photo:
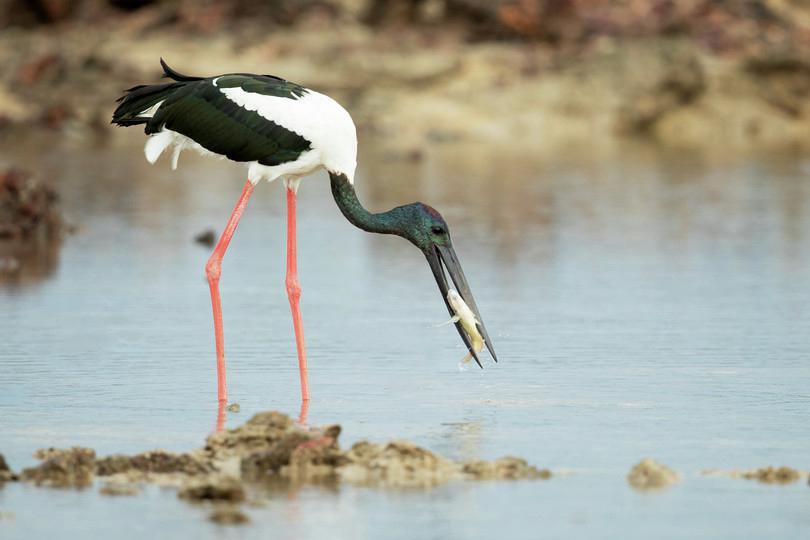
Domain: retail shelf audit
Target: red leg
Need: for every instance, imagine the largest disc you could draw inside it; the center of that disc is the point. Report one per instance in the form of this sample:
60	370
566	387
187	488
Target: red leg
213	271
294	291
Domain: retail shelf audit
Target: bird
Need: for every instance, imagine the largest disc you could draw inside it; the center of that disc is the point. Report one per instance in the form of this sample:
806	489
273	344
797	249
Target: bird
281	130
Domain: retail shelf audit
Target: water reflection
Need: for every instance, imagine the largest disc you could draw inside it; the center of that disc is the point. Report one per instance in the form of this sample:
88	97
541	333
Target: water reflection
465	439
518	203
222	415
25	264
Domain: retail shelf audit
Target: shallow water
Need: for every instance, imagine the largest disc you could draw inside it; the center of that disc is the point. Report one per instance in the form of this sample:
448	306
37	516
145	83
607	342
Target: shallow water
655	304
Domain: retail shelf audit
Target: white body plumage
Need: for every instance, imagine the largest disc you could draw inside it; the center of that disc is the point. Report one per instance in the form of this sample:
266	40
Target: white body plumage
316	117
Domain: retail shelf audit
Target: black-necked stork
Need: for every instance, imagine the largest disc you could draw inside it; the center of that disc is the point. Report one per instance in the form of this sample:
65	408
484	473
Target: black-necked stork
280	129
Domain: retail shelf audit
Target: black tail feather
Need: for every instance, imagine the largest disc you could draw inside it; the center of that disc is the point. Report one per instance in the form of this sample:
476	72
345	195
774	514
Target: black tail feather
140	98
134	121
174	75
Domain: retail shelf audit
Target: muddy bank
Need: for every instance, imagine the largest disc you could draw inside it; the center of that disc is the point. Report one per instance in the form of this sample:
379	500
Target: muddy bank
540	75
270	448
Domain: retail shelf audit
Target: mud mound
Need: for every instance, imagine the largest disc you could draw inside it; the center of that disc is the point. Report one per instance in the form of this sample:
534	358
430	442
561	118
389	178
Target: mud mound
156	461
259	434
299	457
506	468
268	447
649	474
398	463
62	468
773	475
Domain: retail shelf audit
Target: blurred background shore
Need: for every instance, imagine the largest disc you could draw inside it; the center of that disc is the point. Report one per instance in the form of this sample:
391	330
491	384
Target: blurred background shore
627	187
544	76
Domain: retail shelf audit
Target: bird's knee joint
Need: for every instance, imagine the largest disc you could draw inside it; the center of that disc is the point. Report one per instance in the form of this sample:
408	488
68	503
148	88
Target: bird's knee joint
213	269
293	288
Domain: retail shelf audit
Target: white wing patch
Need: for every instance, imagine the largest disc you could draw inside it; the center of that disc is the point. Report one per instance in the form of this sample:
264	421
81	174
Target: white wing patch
158	142
150	112
316	117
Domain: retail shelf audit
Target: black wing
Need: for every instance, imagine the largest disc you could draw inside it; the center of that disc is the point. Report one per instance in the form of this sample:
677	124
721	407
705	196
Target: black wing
198	109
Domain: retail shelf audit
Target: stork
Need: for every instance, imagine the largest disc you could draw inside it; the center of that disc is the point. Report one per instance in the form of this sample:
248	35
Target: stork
281	130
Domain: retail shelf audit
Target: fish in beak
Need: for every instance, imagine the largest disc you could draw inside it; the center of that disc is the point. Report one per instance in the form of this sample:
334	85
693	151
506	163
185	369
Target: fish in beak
440	257
469	323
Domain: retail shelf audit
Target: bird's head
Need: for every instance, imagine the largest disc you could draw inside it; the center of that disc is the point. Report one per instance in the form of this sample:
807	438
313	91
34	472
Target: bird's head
425	228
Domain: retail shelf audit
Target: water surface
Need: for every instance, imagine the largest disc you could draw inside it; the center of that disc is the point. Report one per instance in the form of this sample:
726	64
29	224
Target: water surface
655	304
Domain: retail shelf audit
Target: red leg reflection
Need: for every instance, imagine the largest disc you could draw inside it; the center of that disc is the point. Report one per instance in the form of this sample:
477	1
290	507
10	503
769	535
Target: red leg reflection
220	416
302	416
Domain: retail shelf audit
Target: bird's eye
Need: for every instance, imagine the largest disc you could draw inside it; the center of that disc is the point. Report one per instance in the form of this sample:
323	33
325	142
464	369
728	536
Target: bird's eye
437	230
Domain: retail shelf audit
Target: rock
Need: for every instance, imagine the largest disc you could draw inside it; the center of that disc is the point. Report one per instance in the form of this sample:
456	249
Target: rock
506	468
649	474
207	238
213	489
6	474
228	516
156	461
773	475
62	468
233	407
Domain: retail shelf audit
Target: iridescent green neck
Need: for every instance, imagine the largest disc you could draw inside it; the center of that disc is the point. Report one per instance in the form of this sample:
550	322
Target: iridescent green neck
394	221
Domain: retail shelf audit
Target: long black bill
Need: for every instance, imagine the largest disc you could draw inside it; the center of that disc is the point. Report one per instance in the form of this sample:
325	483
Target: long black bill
446	255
